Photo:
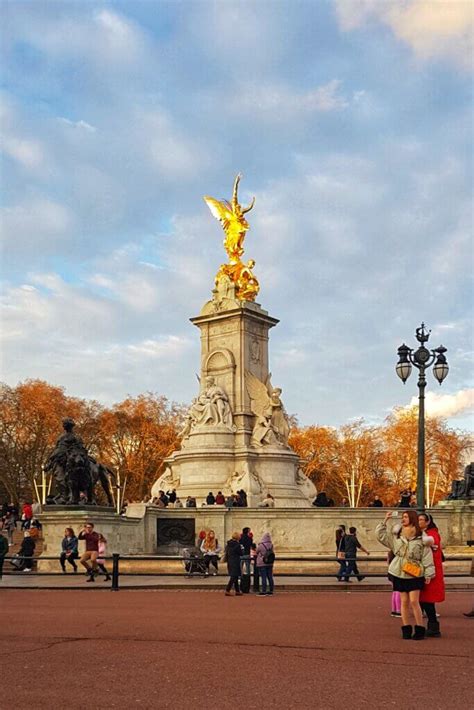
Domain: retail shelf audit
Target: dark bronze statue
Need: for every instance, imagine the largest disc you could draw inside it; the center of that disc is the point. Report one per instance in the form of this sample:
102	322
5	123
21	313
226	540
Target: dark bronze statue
463	489
75	473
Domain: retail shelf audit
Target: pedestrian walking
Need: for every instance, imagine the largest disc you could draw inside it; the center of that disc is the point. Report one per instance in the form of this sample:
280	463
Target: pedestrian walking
91	553
351	545
69	550
26	552
411	568
341	552
233	553
265	562
434	592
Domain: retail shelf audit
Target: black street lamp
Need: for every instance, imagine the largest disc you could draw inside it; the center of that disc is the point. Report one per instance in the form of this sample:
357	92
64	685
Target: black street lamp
421	359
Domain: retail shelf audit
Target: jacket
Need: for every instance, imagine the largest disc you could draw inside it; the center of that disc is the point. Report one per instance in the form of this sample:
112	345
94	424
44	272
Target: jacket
233	554
405	550
435	591
246	542
263	547
27	547
69	544
216	551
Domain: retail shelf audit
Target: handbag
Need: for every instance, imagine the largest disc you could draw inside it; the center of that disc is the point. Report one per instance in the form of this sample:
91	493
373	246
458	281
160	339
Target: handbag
414	569
411	567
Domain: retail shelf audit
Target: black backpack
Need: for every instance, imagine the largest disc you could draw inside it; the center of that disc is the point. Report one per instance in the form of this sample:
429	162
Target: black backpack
269	557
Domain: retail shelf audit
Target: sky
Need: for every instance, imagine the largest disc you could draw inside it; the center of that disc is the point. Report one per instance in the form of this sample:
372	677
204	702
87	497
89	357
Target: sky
351	121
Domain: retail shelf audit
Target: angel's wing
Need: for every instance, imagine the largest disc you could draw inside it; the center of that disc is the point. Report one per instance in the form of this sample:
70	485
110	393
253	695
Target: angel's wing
268	384
257	390
221	210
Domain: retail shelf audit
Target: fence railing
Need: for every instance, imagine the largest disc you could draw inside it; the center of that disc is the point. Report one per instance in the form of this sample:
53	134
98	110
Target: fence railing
117	559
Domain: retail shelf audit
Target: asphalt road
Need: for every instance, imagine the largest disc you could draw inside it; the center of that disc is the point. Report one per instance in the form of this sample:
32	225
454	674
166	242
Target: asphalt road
193	650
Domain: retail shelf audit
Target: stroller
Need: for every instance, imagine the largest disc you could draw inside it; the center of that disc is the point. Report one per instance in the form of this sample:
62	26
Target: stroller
193	561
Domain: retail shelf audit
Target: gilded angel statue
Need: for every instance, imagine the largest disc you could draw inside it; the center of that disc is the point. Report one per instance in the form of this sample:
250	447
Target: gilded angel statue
271	421
234	224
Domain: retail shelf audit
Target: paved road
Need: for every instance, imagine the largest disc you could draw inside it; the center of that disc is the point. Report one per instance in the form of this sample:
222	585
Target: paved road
196	650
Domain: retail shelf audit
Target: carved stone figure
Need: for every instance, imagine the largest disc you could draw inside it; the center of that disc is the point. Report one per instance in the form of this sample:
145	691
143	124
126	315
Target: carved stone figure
75	473
246	479
271	421
463	489
211	408
69	463
302	480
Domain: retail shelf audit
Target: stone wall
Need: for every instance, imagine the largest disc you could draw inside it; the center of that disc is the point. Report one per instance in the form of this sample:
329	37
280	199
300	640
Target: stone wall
296	532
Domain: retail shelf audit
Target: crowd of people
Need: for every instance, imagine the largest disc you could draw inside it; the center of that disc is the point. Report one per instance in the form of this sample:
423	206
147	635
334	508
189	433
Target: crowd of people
240	554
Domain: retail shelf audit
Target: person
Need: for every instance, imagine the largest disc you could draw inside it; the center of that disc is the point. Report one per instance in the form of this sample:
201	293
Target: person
246	540
26	551
376	503
164	499
9	525
405	498
3	551
351	545
265	561
434	592
210	548
411	568
190	502
243	498
229	503
267	502
220	498
26	516
69	550
92	550
321	500
210	500
344	503
101	558
341	552
178	503
233	553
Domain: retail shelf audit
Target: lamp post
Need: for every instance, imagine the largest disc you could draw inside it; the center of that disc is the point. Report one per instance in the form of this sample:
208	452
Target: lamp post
422	358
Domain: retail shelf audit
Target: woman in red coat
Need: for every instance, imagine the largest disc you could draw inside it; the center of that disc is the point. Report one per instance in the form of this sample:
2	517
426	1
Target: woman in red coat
433	592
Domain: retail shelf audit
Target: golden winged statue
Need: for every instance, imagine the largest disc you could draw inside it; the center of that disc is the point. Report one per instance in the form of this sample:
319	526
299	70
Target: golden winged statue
234	224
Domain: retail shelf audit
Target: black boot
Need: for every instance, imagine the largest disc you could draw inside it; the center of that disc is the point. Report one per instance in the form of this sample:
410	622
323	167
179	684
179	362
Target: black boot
433	629
407	632
419	633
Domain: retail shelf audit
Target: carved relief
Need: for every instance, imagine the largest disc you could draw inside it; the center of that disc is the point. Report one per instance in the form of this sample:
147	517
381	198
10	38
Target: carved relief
254	350
271	421
210	409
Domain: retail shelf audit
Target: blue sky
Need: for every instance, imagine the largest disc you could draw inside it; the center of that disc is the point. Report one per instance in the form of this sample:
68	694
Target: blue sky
352	124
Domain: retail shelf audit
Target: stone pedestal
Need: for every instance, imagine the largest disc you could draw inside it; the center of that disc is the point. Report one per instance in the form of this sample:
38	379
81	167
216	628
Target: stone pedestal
234	342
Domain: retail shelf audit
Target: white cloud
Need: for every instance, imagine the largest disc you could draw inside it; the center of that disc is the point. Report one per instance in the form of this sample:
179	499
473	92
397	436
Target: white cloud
447	405
432	28
282	103
78	124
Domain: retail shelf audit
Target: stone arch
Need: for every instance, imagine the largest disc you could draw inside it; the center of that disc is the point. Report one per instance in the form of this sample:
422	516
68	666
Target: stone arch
220	363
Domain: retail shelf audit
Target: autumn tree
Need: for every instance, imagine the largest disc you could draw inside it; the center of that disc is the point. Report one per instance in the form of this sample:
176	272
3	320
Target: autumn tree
30	423
135	436
317	448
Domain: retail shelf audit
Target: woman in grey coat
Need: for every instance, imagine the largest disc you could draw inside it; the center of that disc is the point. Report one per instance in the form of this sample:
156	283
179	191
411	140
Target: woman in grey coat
411	568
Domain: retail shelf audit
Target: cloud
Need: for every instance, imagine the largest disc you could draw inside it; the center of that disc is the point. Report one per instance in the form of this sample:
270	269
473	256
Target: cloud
447	405
281	103
432	28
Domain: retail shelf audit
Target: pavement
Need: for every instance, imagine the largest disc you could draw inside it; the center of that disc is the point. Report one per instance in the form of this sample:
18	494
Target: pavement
30	580
200	649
